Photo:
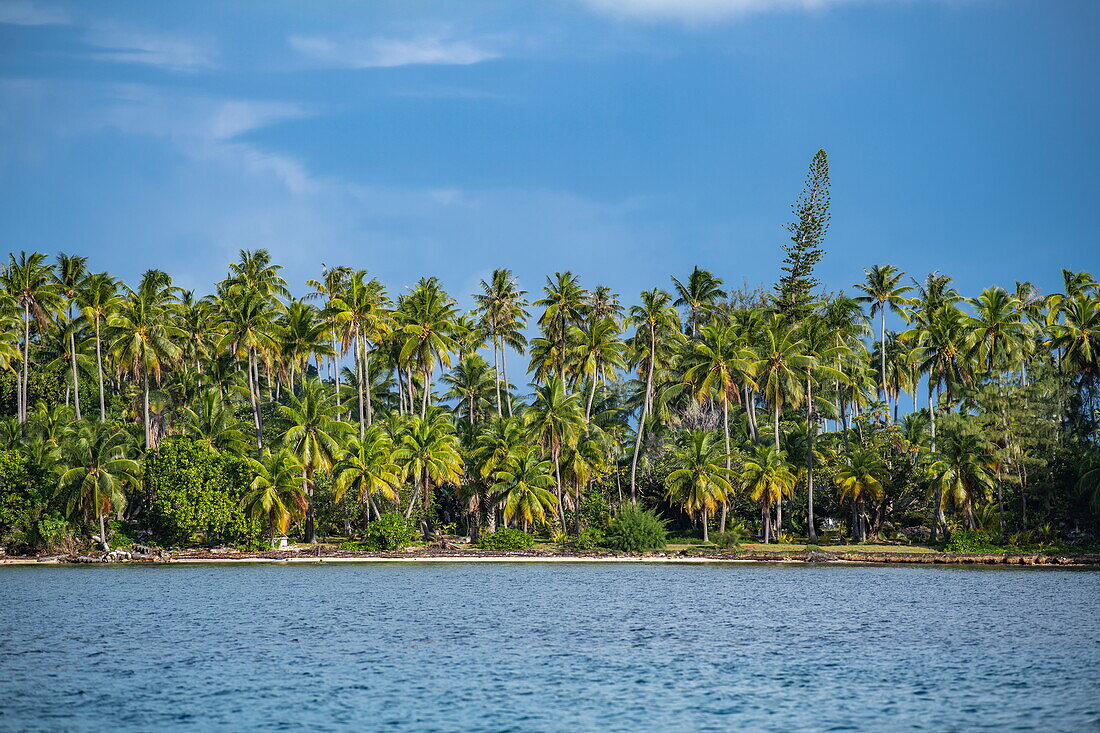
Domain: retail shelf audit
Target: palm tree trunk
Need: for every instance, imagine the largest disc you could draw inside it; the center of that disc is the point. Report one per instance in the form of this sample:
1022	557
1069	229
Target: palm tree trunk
427	389
23	392
103	533
765	523
645	413
811	533
591	399
750	411
706	535
253	389
359	370
311	528
882	354
577	508
145	410
496	372
775	426
99	372
557	485
726	437
76	381
504	374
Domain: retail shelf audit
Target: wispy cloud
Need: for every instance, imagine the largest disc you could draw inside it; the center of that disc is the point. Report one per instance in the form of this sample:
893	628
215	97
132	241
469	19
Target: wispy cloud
24	12
127	45
692	11
388	52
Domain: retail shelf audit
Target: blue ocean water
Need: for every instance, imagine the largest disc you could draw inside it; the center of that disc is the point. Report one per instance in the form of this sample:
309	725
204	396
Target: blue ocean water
548	647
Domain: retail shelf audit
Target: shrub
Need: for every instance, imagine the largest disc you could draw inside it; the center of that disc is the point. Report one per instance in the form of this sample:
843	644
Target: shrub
732	538
636	530
965	540
588	540
193	493
390	531
506	538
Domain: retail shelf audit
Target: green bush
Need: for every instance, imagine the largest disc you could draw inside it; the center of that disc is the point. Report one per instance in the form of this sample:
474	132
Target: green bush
390	531
588	540
636	530
505	539
193	494
731	539
965	540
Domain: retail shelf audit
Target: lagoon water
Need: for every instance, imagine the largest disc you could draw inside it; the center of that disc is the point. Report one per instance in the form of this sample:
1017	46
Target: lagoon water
554	647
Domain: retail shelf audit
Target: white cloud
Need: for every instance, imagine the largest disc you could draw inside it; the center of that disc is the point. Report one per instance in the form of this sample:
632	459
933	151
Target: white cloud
388	52
702	10
24	12
127	45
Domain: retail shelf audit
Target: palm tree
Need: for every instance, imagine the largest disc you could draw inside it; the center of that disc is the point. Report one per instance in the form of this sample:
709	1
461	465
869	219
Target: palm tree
362	317
313	436
428	315
564	304
332	285
584	461
717	365
656	324
275	494
428	451
884	291
71	273
1078	339
768	478
300	335
521	486
255	273
98	298
963	470
214	423
596	353
470	384
701	291
555	419
143	335
782	365
368	468
503	314
28	281
699	481
859	480
248	332
998	330
95	473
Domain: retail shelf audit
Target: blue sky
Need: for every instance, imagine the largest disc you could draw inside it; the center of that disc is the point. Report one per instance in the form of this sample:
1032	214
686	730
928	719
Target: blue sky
626	140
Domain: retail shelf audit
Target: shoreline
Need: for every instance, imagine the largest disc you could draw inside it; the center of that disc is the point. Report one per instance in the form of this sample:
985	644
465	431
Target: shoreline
824	558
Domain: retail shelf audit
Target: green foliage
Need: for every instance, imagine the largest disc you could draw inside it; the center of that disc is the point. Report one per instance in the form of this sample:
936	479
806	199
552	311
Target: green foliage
965	540
506	539
731	539
391	531
193	494
28	522
590	538
635	529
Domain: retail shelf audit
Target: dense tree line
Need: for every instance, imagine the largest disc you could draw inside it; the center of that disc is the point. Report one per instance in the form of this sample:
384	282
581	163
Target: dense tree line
249	410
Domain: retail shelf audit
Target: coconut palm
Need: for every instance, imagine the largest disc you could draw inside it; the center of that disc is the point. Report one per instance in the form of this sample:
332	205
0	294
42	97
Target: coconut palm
781	367
362	317
299	335
314	436
859	480
428	451
214	423
555	419
428	316
963	470
998	330
95	472
767	477
520	485
71	272
596	353
503	310
98	298
470	384
565	304
884	291
144	334
275	495
368	468
656	324
700	476
248	332
700	292
28	281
